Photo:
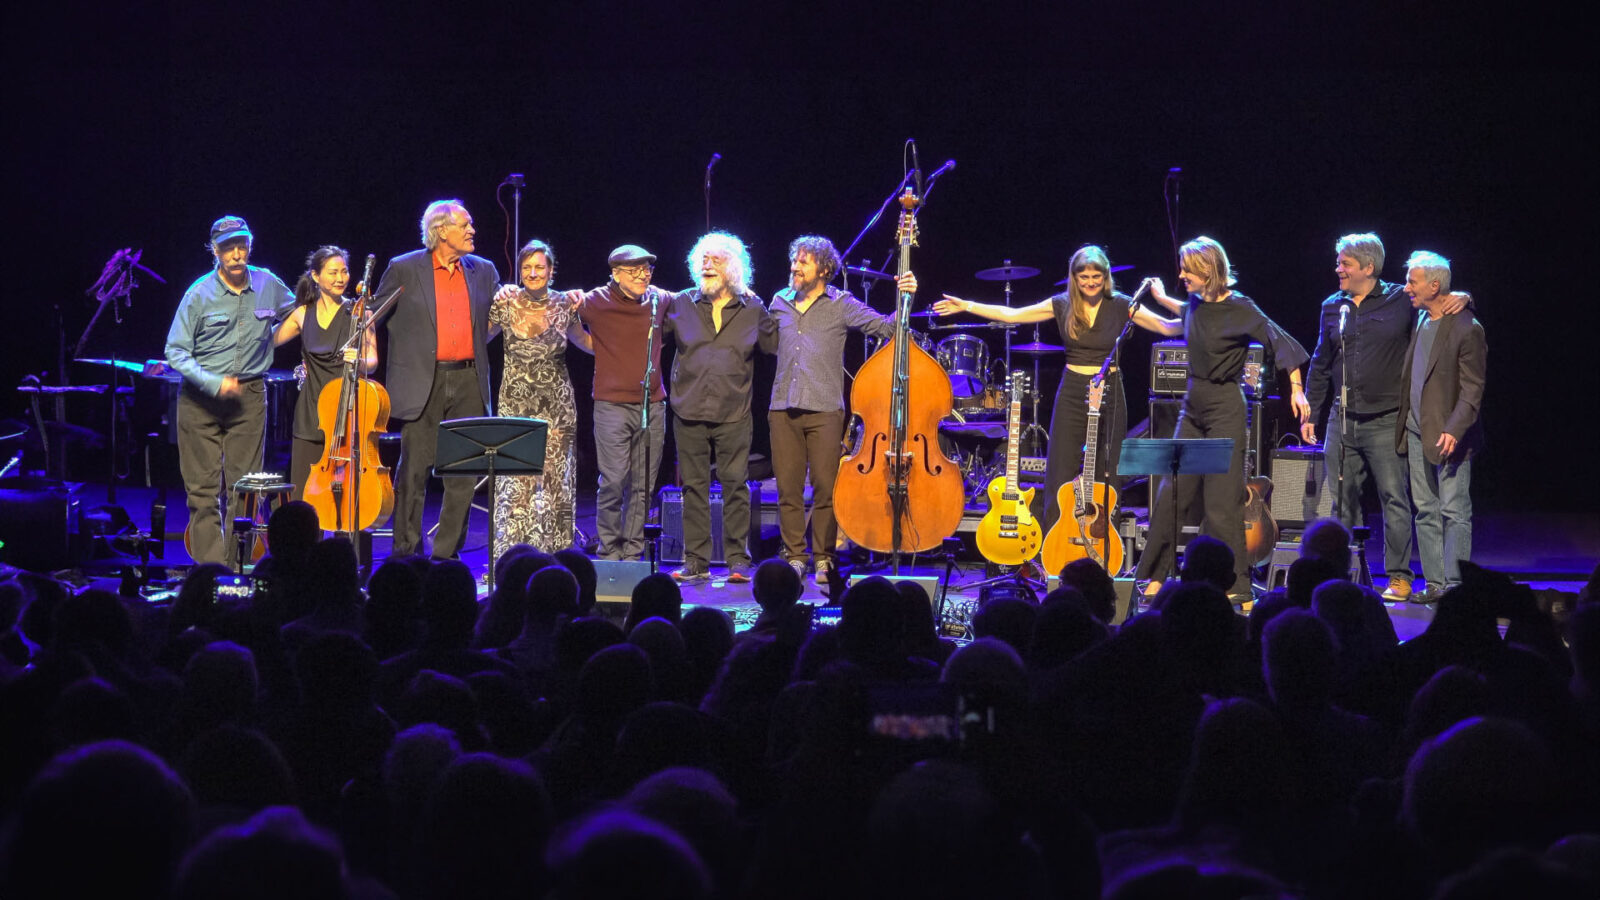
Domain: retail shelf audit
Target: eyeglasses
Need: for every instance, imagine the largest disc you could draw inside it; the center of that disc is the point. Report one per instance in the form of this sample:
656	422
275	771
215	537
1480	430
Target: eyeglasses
640	271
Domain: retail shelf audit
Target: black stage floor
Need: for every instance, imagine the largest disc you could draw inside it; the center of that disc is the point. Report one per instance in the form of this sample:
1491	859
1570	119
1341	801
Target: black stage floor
1545	551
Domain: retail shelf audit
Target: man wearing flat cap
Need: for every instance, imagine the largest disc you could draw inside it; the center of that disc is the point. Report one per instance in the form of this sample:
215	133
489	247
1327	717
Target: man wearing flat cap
438	365
625	320
221	343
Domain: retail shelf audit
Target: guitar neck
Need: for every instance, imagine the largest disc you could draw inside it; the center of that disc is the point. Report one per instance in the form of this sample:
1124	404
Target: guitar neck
1014	429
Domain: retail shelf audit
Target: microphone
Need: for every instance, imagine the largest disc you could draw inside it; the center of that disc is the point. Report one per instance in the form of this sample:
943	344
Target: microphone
1344	313
949	164
715	158
916	165
366	276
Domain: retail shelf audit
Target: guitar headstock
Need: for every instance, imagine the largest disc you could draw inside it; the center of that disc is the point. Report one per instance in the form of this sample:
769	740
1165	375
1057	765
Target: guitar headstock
906	233
1097	392
1019	386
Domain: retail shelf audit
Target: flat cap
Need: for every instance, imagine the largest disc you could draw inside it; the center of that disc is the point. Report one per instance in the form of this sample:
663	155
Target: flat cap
630	255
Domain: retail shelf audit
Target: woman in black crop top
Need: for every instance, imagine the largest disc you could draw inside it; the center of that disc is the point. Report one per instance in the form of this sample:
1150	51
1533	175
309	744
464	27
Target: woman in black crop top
1219	325
1090	314
321	320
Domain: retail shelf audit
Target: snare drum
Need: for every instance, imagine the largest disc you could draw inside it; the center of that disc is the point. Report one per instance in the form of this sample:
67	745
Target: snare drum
966	359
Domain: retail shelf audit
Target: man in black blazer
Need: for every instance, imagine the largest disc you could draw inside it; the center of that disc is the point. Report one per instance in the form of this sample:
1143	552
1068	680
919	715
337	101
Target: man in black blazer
1438	428
438	365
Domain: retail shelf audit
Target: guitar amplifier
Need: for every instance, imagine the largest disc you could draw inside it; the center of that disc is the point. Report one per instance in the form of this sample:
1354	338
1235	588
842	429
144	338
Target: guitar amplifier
1300	489
1169	370
672	523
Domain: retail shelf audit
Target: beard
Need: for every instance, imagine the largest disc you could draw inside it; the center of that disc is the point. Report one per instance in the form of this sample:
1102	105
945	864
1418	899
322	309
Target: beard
713	285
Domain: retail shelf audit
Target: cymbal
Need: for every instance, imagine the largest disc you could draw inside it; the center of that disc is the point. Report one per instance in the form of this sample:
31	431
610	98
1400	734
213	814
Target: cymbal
924	314
967	326
1007	272
114	364
865	272
1114	270
1037	349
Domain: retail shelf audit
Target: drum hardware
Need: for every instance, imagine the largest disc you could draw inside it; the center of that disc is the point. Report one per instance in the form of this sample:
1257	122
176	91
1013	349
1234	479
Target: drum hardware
970	326
966	360
1007	272
969	441
865	272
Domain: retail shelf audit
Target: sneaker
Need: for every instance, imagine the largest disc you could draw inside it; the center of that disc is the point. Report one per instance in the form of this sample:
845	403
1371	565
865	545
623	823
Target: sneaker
826	572
799	567
691	575
1399	589
739	574
1150	590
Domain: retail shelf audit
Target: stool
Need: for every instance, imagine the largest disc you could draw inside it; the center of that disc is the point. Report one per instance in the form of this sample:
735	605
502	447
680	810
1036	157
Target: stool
259	493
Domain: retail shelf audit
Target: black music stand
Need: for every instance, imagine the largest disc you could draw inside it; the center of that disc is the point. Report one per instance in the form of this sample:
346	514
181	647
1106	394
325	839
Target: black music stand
1174	457
490	446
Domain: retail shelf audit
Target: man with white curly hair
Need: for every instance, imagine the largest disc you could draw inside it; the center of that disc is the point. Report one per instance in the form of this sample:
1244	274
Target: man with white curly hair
717	325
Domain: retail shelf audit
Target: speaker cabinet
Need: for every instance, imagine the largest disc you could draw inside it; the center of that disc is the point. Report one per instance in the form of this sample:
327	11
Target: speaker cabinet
1300	489
672	526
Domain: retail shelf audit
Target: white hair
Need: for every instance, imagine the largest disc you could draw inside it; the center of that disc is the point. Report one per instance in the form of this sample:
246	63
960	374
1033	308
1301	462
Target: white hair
1434	268
723	244
435	217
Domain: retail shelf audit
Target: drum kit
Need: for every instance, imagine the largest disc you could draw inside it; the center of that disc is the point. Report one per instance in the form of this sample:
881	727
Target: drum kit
977	383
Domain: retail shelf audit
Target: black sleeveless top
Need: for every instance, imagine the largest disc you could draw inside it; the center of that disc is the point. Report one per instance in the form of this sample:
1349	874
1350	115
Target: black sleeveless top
320	351
1093	345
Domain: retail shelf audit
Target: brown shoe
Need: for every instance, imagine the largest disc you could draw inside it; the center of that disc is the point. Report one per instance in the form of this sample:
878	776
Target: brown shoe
1399	589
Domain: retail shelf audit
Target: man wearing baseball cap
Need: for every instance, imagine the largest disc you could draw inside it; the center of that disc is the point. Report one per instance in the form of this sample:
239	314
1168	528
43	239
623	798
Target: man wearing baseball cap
221	343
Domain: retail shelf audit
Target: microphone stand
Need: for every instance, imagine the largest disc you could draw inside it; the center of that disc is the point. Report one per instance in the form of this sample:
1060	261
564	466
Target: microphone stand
1344	420
516	181
644	412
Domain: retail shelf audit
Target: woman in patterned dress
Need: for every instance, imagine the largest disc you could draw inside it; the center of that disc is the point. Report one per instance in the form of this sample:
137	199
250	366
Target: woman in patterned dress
537	323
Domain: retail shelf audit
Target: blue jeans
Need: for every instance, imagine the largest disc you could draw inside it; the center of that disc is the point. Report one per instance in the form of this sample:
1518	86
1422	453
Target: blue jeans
626	479
1370	451
1444	513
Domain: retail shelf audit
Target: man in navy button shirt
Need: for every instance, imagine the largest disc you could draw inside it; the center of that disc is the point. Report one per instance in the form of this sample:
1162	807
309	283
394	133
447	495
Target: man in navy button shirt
221	343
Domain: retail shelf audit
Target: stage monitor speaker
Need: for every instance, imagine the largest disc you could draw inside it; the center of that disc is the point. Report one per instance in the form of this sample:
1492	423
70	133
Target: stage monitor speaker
1124	588
615	578
38	519
672	526
1300	489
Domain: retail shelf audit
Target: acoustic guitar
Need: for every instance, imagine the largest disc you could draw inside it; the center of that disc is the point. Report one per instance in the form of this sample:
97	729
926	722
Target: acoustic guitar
1083	528
1009	534
1260	528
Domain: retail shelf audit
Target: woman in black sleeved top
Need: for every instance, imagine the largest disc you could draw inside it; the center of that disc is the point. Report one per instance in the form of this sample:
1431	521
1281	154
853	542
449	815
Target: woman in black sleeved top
1218	326
321	320
1090	313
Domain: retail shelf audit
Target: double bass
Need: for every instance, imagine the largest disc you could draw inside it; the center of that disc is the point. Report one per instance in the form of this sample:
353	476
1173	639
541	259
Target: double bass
898	492
349	486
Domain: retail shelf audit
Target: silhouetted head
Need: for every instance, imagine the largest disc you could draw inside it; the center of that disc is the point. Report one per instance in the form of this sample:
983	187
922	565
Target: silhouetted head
292	531
552	595
103	820
449	604
1010	619
582	568
1299	660
1329	540
986	662
337	672
236	767
1306	573
1064	628
661	864
278	853
220	683
655	595
1096	585
1209	560
484	830
776	586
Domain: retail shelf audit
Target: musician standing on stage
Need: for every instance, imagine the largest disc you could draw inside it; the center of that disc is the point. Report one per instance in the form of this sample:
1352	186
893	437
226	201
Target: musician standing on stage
438	365
625	319
1219	325
322	321
1438	428
806	419
1376	320
221	343
1091	314
717	327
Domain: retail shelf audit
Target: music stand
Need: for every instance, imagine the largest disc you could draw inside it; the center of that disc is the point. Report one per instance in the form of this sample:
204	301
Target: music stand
490	446
1175	456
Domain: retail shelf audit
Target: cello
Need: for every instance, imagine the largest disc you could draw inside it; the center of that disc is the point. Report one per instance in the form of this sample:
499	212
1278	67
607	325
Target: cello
349	486
898	492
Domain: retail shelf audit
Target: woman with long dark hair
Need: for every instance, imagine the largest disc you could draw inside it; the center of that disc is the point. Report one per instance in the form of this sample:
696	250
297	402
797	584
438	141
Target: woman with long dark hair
1090	313
538	323
321	320
1219	325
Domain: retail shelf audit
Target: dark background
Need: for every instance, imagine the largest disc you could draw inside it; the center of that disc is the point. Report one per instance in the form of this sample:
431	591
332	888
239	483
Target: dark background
1469	133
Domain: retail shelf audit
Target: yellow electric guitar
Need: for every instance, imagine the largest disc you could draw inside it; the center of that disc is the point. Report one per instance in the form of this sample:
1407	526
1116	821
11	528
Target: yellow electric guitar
1083	528
1009	535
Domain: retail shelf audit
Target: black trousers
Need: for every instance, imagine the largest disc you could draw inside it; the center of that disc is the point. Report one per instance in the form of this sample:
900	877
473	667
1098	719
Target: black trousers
1210	410
731	443
1069	428
219	442
455	395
